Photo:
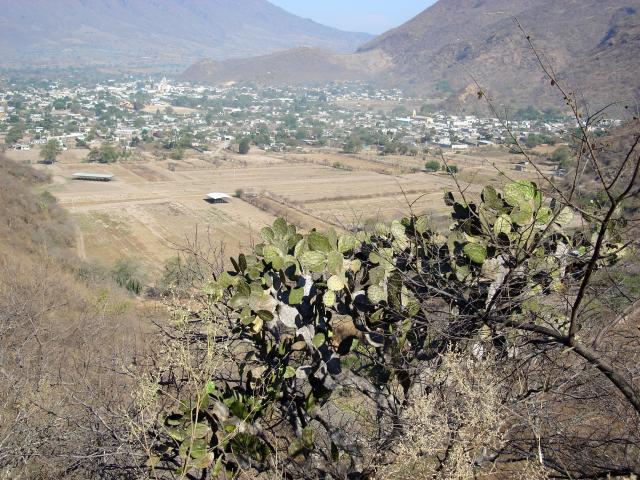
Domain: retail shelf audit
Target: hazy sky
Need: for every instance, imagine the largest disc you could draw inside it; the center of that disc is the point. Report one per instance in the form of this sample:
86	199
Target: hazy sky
371	16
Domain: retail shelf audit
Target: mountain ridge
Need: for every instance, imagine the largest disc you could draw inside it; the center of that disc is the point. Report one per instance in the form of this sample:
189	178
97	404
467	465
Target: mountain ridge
443	51
139	32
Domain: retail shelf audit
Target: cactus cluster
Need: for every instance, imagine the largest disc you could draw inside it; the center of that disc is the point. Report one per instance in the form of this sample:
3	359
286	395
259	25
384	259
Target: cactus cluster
286	298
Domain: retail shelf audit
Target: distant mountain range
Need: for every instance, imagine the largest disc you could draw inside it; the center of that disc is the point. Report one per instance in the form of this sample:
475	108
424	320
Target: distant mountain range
594	45
154	32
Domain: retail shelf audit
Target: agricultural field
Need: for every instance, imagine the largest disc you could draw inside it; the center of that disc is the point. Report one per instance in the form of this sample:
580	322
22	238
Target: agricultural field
153	208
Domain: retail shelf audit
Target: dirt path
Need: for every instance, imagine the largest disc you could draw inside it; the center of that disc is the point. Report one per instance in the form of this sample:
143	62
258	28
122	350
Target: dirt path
82	253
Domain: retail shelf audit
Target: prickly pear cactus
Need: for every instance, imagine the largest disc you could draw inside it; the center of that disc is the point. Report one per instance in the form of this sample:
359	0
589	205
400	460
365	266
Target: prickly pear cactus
285	299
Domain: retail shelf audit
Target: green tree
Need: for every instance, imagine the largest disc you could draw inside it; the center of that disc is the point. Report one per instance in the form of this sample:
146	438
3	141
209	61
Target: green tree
185	140
562	156
432	166
107	153
50	151
244	146
400	111
14	135
352	145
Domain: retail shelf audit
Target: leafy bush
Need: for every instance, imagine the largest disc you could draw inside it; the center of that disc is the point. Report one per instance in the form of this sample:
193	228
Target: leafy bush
244	146
432	166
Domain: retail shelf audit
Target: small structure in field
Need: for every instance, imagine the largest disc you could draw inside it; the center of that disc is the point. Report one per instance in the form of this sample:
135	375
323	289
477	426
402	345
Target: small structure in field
521	166
95	177
218	197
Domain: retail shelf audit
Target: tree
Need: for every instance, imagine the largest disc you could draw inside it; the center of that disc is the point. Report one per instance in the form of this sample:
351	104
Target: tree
50	151
562	156
352	145
185	140
535	139
432	166
244	146
14	135
400	111
107	153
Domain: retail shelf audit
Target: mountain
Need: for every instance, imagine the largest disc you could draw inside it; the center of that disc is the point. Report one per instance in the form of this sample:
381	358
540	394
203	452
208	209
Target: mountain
305	65
594	46
154	32
589	42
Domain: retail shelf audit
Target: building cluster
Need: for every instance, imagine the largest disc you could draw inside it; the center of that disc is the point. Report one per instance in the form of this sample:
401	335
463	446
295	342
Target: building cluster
132	112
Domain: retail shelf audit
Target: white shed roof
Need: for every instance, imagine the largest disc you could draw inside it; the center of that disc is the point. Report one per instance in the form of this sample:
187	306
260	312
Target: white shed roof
97	176
217	196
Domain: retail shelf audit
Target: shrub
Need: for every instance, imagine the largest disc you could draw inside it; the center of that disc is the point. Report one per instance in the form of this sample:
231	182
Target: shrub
177	154
126	274
244	146
432	166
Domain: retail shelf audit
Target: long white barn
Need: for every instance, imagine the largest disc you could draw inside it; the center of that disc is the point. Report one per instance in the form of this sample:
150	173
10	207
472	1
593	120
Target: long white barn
96	177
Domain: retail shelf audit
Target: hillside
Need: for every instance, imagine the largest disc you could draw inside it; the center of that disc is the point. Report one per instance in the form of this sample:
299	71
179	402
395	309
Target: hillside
593	45
69	339
589	42
298	66
154	32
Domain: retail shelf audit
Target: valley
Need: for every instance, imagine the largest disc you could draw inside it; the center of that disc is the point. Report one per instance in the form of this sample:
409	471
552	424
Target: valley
152	208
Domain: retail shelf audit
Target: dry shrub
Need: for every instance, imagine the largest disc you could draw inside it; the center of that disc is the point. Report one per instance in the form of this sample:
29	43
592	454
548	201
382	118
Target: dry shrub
67	347
189	358
452	431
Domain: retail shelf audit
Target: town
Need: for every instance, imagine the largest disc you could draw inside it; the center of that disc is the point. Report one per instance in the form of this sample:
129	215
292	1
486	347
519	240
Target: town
134	114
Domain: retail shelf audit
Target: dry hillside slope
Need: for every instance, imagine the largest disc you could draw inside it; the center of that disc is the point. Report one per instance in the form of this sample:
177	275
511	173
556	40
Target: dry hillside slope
68	339
304	65
455	39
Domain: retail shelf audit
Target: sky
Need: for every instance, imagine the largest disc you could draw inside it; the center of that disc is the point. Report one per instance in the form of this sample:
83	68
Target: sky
370	16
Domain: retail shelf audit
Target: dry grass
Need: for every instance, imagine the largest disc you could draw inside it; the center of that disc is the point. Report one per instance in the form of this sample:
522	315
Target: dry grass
68	339
152	207
454	428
